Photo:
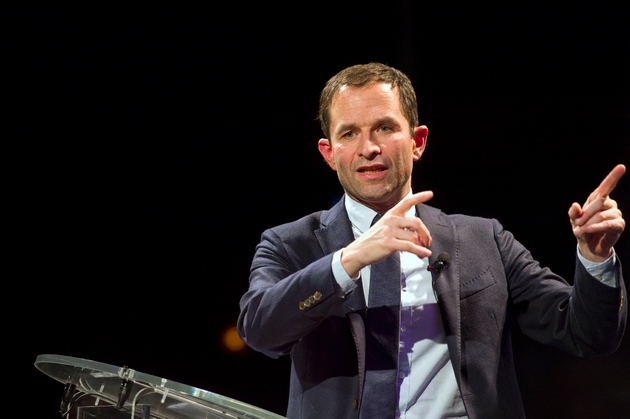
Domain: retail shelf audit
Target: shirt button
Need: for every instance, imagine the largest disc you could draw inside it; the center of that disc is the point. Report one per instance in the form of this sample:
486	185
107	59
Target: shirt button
403	328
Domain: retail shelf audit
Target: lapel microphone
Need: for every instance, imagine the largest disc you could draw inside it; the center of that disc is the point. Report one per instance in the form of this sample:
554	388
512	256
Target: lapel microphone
438	266
440	263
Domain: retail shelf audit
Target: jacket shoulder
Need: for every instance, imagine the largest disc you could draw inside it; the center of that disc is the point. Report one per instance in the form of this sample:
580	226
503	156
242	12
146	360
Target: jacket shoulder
310	223
305	225
458	220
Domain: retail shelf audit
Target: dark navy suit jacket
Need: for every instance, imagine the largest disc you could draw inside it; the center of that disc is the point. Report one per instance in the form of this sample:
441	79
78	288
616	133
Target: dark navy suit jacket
293	306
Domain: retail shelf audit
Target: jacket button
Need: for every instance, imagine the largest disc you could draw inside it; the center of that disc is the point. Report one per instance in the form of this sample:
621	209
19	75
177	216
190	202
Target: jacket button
302	306
355	404
317	296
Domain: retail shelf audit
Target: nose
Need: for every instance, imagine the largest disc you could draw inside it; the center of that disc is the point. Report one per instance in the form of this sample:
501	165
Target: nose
368	147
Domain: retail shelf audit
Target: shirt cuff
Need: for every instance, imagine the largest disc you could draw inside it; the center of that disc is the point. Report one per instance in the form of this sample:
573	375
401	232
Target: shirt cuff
604	271
346	283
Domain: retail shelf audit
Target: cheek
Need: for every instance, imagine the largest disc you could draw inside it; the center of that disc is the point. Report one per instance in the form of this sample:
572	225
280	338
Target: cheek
406	162
342	158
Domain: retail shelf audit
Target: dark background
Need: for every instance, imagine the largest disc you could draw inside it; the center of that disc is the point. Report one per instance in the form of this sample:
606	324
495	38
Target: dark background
146	150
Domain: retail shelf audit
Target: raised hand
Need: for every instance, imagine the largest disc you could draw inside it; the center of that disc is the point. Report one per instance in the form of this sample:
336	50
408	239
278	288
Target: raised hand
598	224
393	232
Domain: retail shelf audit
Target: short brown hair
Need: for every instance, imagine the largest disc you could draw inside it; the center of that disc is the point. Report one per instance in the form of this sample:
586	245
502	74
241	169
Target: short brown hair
361	75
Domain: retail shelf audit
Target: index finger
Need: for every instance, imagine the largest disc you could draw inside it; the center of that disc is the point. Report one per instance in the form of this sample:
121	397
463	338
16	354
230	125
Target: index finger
610	182
407	202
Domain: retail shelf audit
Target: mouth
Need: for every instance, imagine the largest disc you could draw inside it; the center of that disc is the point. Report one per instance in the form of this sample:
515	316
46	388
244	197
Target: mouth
371	170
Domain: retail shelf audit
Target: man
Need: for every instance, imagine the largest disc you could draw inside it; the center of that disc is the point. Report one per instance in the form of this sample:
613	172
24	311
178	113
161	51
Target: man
432	340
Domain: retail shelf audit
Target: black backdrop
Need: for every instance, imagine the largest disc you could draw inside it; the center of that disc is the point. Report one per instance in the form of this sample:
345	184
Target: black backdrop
147	148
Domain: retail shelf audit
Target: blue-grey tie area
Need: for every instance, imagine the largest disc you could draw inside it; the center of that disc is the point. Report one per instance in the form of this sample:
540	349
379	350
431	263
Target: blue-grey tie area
383	316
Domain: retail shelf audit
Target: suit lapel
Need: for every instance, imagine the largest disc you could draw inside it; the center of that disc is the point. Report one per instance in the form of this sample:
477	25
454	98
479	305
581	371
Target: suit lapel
334	234
335	229
445	239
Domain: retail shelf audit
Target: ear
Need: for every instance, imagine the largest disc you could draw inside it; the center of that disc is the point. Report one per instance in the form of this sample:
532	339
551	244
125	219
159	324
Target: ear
420	135
326	151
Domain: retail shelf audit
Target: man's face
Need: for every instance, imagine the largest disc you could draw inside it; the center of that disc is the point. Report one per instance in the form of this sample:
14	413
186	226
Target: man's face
371	147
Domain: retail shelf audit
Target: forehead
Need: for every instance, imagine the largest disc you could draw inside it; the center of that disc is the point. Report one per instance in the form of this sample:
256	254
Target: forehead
374	98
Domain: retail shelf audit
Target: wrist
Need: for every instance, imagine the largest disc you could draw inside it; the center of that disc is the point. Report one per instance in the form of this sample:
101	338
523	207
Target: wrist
593	257
352	268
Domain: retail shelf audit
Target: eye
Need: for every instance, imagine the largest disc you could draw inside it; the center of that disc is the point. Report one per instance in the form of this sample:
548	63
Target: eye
384	128
348	134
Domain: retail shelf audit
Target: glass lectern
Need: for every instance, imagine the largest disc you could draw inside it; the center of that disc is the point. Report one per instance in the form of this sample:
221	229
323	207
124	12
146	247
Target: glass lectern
100	391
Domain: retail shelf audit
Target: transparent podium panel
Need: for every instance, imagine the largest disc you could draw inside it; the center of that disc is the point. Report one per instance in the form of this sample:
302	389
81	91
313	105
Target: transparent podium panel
99	391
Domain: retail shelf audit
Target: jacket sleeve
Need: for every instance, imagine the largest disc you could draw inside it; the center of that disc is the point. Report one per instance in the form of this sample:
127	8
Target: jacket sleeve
291	291
585	319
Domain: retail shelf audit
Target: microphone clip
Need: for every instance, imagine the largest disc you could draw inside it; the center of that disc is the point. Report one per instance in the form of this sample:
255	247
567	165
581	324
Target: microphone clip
438	267
441	263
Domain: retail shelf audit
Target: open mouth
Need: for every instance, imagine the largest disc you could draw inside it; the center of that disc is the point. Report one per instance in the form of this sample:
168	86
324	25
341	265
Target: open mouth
371	170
